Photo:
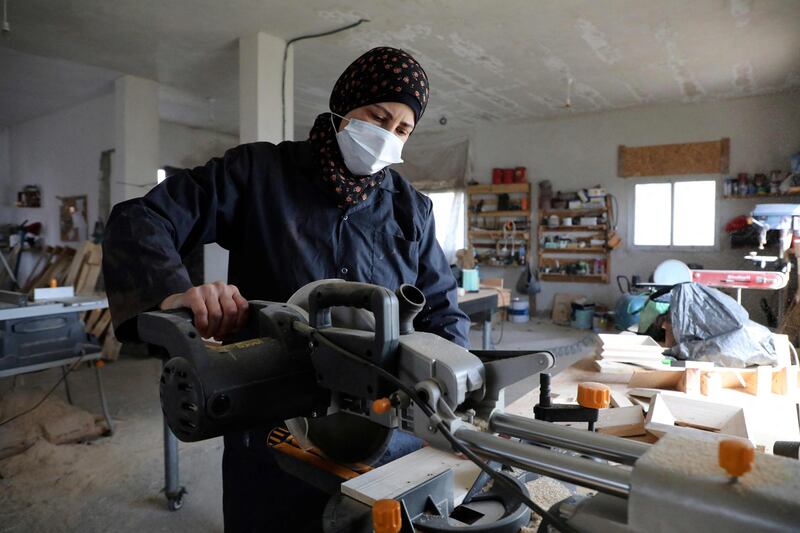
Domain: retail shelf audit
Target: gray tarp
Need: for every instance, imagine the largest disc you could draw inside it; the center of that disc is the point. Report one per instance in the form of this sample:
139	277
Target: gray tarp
711	326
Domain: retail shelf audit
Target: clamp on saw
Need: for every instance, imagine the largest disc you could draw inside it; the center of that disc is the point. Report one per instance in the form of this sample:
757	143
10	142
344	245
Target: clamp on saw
342	363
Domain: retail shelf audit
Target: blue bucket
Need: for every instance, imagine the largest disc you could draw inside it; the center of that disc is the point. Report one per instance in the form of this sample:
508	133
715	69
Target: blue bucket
583	318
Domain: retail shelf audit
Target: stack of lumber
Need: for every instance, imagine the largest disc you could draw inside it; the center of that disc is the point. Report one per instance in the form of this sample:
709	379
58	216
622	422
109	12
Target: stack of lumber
619	352
760	404
80	269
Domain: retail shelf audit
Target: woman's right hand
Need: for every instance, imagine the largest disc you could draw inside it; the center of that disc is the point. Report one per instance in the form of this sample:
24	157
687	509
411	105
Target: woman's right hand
218	308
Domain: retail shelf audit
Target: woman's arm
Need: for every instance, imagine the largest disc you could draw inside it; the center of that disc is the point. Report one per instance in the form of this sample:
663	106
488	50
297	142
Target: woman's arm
146	239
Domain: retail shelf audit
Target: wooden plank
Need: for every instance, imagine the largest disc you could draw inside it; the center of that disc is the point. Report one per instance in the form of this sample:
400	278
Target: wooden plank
619	399
611	367
759	382
680	414
710	157
102	324
621	421
397	477
77	263
632	343
784	380
656	379
568	278
498	188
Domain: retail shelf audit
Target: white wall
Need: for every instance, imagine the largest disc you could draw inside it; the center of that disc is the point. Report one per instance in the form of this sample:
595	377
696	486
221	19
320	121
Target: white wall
581	151
60	153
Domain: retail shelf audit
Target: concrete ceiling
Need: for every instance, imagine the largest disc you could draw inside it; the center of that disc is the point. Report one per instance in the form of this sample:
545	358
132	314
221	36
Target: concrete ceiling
503	61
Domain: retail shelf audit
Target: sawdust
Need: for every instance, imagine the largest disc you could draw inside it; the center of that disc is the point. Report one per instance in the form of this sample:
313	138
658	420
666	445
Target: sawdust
546	492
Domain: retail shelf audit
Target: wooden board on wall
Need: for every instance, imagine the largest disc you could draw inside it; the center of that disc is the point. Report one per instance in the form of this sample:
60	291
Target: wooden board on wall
711	157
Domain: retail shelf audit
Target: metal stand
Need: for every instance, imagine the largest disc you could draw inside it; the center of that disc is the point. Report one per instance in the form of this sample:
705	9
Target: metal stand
66	384
103	402
172	485
487	333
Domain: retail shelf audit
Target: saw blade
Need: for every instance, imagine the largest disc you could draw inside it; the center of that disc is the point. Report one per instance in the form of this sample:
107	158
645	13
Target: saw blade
343	437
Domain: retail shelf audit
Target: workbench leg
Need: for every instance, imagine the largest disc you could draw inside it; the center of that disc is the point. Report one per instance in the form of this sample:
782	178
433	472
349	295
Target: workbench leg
487	334
103	403
172	488
66	384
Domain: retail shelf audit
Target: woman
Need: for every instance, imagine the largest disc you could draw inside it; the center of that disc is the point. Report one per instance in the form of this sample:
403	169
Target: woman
289	214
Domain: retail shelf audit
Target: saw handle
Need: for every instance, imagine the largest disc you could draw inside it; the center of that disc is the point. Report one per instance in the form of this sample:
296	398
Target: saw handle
379	300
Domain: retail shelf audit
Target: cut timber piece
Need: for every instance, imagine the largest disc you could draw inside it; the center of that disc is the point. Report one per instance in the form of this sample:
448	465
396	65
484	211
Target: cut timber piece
611	367
784	380
630	343
562	307
621	421
619	399
76	264
690	381
625	356
656	379
710	383
394	479
759	382
677	414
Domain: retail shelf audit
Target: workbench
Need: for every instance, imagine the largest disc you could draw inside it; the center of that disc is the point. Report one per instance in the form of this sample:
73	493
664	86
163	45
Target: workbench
481	306
90	353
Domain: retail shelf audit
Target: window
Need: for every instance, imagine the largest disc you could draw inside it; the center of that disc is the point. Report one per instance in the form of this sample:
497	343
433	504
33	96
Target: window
161	175
448	214
680	213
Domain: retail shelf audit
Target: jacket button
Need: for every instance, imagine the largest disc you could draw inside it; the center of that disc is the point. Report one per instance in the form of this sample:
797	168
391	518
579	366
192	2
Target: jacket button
344	270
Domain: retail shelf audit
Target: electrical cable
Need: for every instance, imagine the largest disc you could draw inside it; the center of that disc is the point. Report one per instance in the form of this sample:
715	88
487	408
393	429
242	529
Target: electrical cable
547	516
47	395
285	59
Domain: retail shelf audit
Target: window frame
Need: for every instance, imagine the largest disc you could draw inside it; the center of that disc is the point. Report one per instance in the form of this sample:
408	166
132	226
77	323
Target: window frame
631	210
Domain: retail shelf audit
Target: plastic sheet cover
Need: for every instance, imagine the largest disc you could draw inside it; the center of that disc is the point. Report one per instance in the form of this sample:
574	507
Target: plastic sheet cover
709	325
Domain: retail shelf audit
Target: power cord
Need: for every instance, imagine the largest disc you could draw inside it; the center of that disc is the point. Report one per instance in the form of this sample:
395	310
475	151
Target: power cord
40	402
547	516
285	59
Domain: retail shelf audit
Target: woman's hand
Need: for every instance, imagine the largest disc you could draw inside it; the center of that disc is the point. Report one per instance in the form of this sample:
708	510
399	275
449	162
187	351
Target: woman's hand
219	309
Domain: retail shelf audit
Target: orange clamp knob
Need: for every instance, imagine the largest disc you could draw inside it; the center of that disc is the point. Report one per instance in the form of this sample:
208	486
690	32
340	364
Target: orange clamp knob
53	283
381	406
594	395
736	456
386	516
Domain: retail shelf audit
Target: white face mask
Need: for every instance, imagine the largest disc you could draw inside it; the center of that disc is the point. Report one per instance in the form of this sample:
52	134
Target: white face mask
367	148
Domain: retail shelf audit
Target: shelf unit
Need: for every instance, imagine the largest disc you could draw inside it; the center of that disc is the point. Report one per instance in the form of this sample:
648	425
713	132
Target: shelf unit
559	256
757	196
486	227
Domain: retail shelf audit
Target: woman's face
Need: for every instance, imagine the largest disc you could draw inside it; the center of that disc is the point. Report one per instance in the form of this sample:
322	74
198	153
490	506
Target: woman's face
394	117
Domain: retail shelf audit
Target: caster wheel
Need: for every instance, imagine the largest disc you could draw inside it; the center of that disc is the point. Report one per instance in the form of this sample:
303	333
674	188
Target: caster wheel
173	504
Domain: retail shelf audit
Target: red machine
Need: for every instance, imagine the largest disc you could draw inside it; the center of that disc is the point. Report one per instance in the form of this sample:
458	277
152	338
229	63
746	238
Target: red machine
741	279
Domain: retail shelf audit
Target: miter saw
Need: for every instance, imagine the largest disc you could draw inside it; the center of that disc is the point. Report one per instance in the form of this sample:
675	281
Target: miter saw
343	362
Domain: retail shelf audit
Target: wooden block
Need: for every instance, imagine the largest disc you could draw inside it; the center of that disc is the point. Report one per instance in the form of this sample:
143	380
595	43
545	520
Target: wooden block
611	367
492	283
656	379
632	343
680	414
562	307
710	383
397	477
784	380
759	382
619	399
102	324
77	263
621	421
690	381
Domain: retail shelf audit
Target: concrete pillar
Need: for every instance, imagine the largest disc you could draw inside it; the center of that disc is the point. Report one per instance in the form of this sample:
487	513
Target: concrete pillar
260	76
261	113
136	124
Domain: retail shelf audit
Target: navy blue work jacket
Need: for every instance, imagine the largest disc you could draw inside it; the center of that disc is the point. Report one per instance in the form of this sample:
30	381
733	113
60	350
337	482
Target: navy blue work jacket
268	206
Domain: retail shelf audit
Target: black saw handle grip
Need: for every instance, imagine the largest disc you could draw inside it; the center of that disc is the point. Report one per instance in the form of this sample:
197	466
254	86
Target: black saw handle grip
379	300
